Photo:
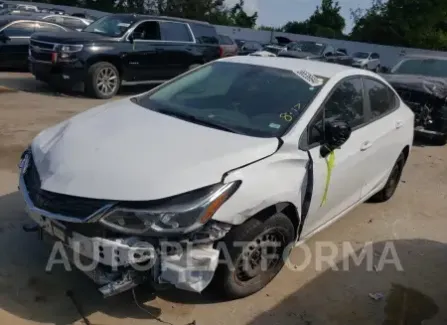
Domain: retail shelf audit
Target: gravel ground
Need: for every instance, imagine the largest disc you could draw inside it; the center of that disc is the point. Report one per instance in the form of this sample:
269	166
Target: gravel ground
412	225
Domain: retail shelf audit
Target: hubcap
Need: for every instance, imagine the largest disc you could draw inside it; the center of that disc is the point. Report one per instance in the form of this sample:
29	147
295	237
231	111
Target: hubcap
107	81
260	256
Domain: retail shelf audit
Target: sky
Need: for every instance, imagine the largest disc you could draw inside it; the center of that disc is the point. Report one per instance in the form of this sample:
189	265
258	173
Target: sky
278	12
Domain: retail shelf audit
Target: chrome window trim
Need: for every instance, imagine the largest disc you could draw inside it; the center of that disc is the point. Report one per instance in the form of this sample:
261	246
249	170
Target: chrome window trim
132	29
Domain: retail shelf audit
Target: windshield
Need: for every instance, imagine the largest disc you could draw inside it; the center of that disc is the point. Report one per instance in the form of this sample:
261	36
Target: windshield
360	55
423	67
308	47
242	98
113	26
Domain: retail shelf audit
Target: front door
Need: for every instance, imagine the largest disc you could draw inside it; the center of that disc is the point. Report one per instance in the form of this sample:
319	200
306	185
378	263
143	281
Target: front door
14	44
144	62
347	177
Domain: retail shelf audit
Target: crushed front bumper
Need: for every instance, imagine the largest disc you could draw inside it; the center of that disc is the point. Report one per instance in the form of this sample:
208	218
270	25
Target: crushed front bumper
119	264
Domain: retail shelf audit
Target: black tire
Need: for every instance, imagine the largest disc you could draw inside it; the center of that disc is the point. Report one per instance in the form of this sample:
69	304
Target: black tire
229	281
393	181
94	74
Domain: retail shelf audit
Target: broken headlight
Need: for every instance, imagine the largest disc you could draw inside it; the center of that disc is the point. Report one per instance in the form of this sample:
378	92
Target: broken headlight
180	214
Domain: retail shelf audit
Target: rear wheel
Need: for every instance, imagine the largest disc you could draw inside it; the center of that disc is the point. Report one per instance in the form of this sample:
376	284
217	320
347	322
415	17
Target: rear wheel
103	80
393	181
257	257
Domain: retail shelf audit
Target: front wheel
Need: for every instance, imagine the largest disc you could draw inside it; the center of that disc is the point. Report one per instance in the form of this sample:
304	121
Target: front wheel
256	251
103	80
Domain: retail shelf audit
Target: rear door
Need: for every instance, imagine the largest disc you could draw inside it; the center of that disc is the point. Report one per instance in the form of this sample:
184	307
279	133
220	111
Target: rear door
389	132
14	46
344	186
177	47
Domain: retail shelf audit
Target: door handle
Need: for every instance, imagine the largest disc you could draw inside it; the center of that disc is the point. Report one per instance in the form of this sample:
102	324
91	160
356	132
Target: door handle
366	145
399	124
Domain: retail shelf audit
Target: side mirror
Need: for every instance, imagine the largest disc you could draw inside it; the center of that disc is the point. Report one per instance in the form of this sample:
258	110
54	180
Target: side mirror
336	133
131	38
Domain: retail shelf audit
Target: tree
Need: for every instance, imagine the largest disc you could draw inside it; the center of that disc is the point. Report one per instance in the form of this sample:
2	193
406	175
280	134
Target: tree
326	21
409	23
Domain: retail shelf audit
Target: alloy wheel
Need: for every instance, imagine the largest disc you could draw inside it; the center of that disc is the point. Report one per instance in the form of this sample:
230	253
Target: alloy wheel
107	81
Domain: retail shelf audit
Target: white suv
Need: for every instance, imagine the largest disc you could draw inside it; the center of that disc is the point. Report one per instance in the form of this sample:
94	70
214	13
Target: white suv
236	159
364	60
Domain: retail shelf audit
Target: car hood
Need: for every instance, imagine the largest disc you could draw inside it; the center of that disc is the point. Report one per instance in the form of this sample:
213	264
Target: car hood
430	85
70	37
122	151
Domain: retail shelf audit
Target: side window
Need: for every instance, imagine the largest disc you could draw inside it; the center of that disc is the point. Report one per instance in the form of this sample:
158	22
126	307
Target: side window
22	29
345	103
147	31
381	98
328	49
228	40
175	32
205	34
44	27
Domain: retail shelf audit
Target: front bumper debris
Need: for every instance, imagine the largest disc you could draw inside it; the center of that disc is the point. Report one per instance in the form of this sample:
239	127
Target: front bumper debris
118	264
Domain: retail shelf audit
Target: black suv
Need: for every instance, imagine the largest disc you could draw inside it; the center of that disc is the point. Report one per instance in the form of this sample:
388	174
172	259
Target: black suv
120	50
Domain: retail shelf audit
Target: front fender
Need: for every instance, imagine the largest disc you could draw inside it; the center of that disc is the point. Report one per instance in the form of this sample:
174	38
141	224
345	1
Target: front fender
276	179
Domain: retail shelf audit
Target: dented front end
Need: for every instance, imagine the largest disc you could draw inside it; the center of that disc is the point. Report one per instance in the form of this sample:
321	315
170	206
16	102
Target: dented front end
112	259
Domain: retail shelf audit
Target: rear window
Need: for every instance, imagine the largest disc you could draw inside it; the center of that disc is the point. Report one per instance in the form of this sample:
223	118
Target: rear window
205	34
225	40
247	99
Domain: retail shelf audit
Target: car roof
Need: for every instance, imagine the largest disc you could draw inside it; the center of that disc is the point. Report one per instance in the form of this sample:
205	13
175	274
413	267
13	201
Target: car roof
144	17
327	70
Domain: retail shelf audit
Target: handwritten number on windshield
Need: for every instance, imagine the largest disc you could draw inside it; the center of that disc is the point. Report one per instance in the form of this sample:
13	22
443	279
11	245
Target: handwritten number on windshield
288	117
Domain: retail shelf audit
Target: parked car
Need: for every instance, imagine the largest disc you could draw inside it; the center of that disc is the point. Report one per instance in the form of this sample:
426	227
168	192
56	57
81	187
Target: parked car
365	60
247	47
57	11
84	15
27	8
338	58
228	46
421	81
307	50
15	33
216	163
123	49
74	23
268	51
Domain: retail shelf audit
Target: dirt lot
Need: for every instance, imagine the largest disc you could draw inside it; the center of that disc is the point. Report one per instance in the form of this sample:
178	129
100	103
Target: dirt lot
413	222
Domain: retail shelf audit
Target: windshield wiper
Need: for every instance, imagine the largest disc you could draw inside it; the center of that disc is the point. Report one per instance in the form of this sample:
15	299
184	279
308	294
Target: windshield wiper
193	119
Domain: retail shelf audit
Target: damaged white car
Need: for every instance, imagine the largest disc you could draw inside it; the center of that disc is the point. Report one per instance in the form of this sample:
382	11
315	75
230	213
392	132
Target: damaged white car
230	162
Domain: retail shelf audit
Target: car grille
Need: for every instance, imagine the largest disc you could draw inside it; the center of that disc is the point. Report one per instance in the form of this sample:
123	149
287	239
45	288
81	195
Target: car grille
41	56
41	51
66	205
42	45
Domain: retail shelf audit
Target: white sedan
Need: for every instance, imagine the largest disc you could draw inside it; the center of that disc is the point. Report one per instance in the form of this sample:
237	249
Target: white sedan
233	157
